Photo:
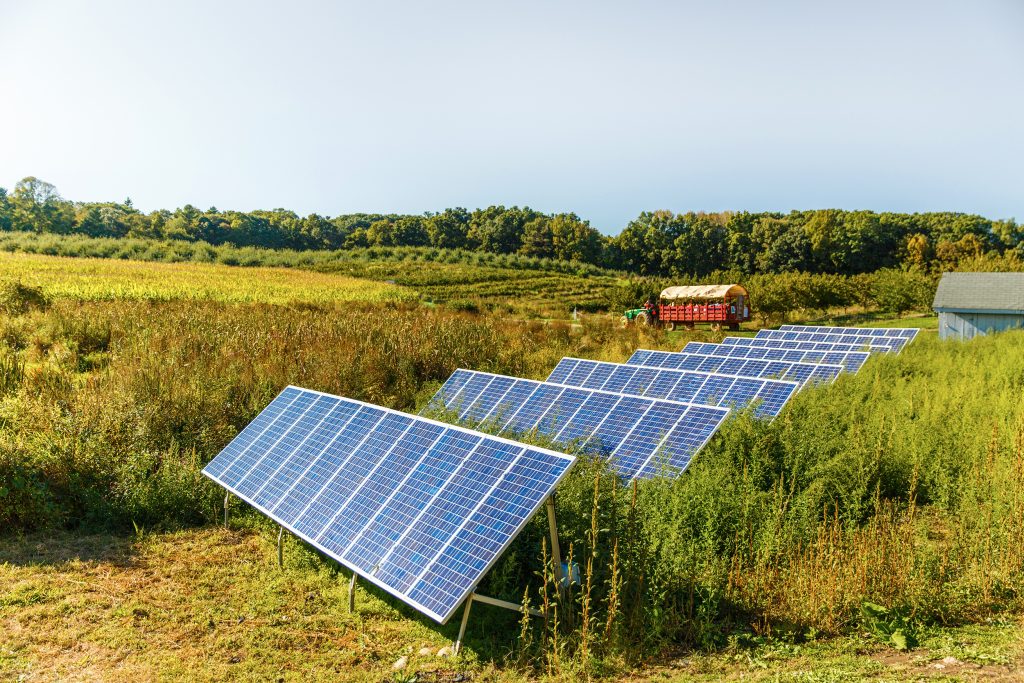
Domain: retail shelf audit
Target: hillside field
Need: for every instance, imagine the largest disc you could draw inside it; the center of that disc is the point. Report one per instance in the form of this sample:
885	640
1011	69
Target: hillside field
874	530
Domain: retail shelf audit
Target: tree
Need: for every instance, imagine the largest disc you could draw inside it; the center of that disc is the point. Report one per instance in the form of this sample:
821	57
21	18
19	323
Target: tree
448	229
36	206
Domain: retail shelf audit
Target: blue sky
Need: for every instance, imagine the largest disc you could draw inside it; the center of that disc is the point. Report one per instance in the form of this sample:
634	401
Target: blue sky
606	109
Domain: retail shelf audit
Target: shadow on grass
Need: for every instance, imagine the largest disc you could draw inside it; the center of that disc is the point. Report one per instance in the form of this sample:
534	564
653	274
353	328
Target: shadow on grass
61	547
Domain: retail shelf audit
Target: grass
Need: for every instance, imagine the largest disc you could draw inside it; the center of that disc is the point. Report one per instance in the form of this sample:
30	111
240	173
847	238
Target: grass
109	280
212	605
900	486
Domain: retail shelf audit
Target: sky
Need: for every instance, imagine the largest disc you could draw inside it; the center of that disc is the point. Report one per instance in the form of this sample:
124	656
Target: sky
605	109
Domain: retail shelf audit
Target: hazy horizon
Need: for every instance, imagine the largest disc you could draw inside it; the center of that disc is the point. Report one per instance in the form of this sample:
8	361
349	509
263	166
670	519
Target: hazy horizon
599	109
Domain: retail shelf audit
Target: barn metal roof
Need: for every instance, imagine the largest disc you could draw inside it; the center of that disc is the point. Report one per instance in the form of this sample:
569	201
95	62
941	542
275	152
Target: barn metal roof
702	291
980	292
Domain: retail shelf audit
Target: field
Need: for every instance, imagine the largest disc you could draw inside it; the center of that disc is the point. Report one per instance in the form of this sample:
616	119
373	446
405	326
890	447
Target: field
872	530
108	279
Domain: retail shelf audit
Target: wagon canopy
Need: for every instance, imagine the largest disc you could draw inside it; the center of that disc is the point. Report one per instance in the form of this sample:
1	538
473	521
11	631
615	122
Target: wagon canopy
703	292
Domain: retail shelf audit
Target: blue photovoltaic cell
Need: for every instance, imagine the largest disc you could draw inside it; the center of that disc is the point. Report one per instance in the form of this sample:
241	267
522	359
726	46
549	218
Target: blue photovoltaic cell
908	333
800	345
874	342
851	361
689	386
802	373
616	425
420	508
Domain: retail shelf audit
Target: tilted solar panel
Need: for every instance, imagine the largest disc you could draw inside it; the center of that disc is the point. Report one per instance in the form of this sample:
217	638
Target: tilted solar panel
851	361
893	344
802	373
800	345
641	437
908	333
420	508
678	385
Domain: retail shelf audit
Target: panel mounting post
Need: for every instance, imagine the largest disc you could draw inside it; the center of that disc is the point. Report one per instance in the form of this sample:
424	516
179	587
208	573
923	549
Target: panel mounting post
352	594
556	553
465	620
227	497
280	548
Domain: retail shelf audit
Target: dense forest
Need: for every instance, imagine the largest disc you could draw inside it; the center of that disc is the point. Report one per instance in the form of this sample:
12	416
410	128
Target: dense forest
655	243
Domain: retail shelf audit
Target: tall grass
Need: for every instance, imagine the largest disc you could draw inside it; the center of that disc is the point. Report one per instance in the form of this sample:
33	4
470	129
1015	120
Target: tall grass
901	486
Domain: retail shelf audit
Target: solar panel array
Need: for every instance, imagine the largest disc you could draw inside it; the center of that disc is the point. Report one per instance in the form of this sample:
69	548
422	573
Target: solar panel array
706	388
851	361
640	436
420	508
881	342
909	333
799	372
798	345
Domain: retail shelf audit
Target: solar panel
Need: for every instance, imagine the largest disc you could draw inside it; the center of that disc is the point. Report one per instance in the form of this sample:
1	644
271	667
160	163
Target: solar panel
677	385
641	437
908	333
799	345
802	373
851	361
884	343
419	508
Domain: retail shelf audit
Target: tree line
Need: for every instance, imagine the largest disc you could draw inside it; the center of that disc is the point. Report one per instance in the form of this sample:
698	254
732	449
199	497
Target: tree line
657	243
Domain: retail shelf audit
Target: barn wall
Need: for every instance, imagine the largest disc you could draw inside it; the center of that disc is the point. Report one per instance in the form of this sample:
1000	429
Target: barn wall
967	325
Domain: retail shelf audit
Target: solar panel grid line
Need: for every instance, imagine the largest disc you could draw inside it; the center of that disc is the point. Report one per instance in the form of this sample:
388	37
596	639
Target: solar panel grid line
444	428
391	496
356	489
561	431
683	375
882	342
662	442
265	429
423	511
636	426
905	332
800	372
313	459
497	403
799	345
465	520
284	461
280	421
355	449
593	423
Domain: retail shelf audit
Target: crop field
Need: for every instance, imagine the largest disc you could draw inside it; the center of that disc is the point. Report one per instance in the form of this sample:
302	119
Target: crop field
875	529
107	279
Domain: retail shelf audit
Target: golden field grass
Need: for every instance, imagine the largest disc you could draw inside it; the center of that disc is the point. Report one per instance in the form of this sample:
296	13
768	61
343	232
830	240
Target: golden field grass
212	605
110	279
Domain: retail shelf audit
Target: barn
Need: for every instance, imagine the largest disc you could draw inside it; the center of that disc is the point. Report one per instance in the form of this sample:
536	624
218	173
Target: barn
970	304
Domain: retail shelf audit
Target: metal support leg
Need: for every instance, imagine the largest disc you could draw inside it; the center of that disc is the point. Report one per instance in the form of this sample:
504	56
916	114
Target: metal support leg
352	594
556	553
280	548
227	497
465	620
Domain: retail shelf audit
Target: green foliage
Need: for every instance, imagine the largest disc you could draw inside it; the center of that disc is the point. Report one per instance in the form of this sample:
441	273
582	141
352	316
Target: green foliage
655	243
17	298
891	627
